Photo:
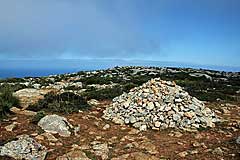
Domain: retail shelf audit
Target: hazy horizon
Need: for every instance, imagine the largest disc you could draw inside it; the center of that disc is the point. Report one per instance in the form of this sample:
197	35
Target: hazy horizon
197	32
36	68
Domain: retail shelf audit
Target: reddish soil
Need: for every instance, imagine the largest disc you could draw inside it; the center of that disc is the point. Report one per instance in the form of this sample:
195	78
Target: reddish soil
118	137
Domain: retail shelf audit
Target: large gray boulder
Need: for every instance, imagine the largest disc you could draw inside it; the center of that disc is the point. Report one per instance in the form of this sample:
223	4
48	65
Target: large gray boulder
55	124
24	148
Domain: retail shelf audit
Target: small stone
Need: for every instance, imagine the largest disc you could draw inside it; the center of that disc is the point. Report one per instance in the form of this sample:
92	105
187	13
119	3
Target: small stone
93	102
39	137
178	134
179	100
101	149
14	118
126	120
188	115
180	143
59	144
118	121
132	119
196	144
143	127
238	140
52	144
157	104
157	124
74	155
225	110
183	154
150	106
194	152
168	108
210	123
34	134
176	117
218	151
50	137
76	130
10	127
107	126
133	131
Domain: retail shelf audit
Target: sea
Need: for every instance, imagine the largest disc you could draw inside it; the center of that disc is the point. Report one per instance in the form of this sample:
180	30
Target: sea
38	68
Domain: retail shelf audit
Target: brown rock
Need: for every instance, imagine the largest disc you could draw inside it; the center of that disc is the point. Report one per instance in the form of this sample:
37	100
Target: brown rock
74	155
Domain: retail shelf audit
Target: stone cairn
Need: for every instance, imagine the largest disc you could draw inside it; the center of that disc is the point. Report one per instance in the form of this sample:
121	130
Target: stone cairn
160	104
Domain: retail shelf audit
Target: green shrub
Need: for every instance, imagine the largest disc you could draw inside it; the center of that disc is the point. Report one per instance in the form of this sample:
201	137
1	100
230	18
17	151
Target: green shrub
12	80
38	117
103	94
66	102
13	87
100	80
7	100
107	93
139	80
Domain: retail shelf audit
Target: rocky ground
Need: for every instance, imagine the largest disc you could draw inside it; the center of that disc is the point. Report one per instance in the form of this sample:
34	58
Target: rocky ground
87	135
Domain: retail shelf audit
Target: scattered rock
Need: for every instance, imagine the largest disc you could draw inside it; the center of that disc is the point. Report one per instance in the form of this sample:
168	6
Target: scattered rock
136	156
142	156
183	154
24	148
218	151
194	152
55	124
12	126
23	112
40	137
107	126
196	144
74	155
76	130
238	140
149	147
100	149
93	102
50	137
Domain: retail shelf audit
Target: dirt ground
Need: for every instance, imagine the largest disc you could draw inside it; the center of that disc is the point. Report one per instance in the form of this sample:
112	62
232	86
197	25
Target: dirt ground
165	144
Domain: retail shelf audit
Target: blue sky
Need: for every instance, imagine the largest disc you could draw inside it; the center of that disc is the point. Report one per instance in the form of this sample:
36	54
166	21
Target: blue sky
200	32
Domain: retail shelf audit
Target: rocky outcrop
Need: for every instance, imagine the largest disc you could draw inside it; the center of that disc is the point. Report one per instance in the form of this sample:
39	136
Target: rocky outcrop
24	148
30	96
160	104
55	124
22	111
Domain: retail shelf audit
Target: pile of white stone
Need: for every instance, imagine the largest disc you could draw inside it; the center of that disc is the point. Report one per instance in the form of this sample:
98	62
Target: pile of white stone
160	104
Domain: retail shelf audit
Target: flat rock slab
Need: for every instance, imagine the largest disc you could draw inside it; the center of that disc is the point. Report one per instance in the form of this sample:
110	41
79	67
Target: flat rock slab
55	124
22	112
24	148
30	96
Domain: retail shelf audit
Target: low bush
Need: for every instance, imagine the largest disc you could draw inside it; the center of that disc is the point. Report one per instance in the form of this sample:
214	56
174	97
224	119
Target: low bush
66	102
107	93
103	94
13	87
38	117
7	100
